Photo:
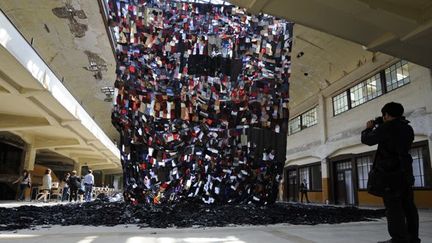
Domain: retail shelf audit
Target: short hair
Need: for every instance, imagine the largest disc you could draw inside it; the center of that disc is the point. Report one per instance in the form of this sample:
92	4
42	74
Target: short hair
74	172
393	109
90	171
47	171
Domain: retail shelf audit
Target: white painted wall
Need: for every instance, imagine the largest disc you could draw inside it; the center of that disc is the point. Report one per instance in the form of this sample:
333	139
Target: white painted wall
335	135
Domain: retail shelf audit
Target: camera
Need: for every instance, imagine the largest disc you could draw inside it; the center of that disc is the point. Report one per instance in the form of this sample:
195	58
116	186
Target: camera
378	120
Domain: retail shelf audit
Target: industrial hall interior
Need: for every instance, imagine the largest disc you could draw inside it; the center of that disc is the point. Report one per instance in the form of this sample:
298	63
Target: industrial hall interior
194	121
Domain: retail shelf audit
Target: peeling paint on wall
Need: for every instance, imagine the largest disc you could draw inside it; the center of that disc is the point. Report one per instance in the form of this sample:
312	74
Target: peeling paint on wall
96	64
304	147
69	12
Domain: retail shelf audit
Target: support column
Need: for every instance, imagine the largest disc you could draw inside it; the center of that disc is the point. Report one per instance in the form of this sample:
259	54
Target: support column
430	146
28	162
77	168
103	178
322	118
325	181
29	157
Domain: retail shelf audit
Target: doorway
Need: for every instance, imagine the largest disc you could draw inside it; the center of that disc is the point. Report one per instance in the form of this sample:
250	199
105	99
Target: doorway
344	183
292	186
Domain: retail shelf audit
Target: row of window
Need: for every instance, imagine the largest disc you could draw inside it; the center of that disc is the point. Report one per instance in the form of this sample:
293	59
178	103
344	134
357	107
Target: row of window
382	82
305	120
420	165
311	175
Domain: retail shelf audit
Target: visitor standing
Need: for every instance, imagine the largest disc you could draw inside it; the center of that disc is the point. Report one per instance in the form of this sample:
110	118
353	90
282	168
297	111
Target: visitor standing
24	183
46	185
74	185
88	185
65	193
303	190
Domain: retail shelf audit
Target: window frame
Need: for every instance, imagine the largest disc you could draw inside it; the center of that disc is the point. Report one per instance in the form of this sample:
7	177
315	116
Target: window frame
309	169
367	154
384	89
348	102
427	169
426	164
300	117
402	62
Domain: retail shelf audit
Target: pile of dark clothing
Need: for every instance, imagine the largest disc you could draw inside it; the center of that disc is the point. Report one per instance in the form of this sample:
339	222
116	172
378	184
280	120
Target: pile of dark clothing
186	213
193	82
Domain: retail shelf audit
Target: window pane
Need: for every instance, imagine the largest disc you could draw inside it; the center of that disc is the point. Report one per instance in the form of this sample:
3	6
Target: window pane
309	118
366	90
357	95
340	103
397	75
304	175
418	167
363	167
316	183
294	125
373	87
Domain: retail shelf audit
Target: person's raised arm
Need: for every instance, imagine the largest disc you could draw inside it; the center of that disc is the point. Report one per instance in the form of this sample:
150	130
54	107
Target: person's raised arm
371	136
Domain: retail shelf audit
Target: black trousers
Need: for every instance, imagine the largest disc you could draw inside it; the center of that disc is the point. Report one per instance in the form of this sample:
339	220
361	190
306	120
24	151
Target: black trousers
304	193
402	217
73	195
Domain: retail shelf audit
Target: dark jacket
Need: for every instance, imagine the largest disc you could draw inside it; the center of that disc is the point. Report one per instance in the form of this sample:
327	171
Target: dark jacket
394	139
74	182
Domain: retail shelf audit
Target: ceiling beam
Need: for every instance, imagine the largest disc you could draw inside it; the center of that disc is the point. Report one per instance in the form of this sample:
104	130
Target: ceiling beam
104	167
18	122
53	142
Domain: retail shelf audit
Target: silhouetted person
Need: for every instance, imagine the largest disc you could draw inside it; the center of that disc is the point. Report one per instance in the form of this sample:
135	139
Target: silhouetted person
303	191
66	188
392	177
25	182
74	185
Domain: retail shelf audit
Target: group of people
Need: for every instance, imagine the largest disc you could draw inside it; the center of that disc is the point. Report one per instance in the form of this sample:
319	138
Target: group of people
75	187
72	186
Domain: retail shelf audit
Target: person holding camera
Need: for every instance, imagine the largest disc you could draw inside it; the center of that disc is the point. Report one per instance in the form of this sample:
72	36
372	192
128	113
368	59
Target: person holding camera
391	176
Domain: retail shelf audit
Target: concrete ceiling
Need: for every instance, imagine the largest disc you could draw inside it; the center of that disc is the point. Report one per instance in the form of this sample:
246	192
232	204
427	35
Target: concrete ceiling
70	42
320	59
29	111
37	108
401	28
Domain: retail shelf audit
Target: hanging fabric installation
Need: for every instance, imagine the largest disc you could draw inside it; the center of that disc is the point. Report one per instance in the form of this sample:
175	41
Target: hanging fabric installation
194	81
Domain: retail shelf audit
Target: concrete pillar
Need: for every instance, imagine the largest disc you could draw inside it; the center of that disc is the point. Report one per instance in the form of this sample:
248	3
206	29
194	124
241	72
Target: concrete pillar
322	118
29	157
325	180
28	161
430	146
77	168
103	178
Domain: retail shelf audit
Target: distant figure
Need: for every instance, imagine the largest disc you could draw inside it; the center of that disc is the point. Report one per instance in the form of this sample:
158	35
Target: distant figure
65	181
46	185
303	190
74	185
88	185
25	182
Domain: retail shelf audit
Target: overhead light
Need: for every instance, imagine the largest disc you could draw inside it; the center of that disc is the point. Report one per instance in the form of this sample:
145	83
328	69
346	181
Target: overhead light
300	54
109	92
